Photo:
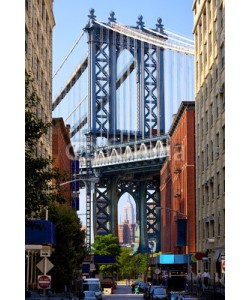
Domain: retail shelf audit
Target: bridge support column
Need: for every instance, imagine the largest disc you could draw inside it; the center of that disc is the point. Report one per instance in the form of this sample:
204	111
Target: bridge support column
113	207
142	216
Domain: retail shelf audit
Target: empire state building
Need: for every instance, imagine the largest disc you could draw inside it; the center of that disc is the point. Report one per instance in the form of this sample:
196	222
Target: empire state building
126	230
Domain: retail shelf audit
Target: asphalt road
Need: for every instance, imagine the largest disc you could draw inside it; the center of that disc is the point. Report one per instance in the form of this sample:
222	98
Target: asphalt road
123	292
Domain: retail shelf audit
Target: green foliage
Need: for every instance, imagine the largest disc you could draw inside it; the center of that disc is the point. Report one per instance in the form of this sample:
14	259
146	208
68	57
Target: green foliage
38	170
132	266
106	245
69	251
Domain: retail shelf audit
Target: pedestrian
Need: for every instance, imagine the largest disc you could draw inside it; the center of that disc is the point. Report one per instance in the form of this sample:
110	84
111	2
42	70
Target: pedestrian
206	277
137	289
199	277
133	287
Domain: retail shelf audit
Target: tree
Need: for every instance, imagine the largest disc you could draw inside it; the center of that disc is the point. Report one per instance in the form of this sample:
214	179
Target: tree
106	245
38	170
132	266
69	251
125	268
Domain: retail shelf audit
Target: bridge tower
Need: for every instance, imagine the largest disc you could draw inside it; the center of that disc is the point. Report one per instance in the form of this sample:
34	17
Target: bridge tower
106	42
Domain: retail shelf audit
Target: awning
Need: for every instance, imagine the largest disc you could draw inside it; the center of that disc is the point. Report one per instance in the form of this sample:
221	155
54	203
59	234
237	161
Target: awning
171	259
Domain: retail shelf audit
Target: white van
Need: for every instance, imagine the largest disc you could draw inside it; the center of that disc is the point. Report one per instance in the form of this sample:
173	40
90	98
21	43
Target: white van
92	284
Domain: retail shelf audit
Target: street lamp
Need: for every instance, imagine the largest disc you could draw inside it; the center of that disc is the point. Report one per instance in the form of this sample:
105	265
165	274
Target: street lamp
188	232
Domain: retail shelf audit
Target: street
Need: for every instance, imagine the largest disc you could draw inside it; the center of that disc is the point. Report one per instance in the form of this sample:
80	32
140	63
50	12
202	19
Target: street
122	292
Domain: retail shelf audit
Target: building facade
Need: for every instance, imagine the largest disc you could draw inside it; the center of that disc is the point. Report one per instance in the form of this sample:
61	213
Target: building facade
178	183
39	23
209	34
63	154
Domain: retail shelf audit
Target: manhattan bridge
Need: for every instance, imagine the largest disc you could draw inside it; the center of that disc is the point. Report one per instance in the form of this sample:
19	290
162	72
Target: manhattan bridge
119	103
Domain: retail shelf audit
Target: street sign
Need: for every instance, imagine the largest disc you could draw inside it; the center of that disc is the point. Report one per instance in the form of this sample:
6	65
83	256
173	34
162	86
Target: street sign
45	265
45	251
44	281
223	266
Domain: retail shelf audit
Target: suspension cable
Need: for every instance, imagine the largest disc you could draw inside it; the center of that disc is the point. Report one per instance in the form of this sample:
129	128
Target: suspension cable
71	50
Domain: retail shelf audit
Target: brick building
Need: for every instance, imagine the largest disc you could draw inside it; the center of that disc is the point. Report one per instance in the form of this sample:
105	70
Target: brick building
62	153
178	181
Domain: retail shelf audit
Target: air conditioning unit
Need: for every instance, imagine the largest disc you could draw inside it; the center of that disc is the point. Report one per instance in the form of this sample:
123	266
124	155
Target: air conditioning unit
211	240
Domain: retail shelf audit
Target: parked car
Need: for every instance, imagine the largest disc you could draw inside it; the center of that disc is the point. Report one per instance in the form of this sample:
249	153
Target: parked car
89	295
159	293
90	284
149	290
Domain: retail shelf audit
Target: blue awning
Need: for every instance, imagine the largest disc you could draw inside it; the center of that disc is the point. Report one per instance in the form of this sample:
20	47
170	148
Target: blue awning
40	232
171	259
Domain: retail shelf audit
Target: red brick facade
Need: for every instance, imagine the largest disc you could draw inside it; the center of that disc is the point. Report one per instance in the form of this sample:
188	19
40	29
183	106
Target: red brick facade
62	152
178	180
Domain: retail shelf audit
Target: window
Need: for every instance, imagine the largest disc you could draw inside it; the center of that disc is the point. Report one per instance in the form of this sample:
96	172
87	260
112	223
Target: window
206	120
211	115
218	184
202	128
202	161
224	182
205	52
222	97
38	34
207	193
217	144
212	151
207	229
216	73
207	155
210	43
218	222
221	17
222	52
202	194
223	137
217	106
26	40
212	228
212	188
